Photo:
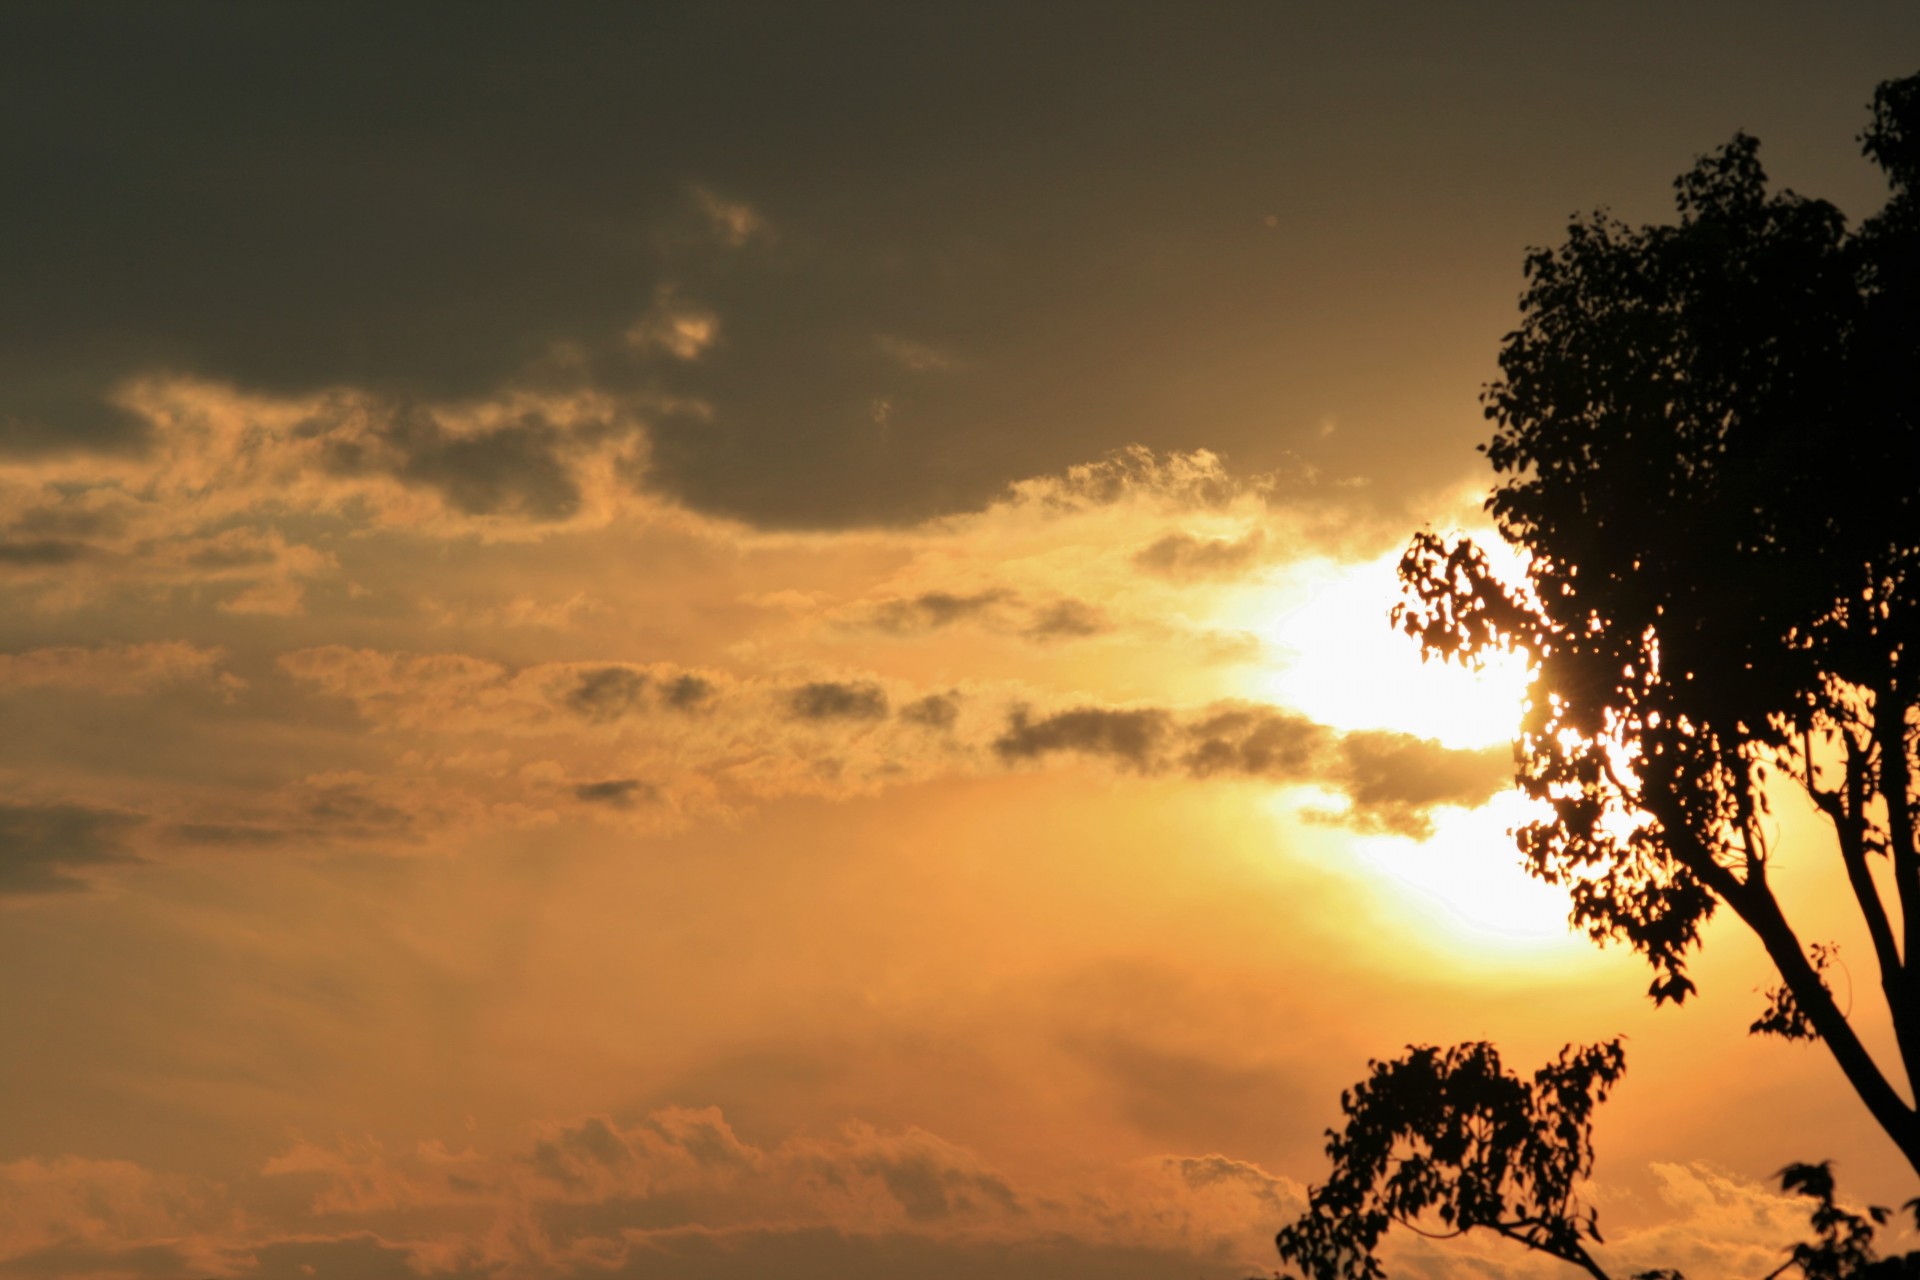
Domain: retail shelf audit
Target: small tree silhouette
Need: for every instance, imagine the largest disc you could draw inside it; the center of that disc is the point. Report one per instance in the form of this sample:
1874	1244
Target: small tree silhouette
1708	435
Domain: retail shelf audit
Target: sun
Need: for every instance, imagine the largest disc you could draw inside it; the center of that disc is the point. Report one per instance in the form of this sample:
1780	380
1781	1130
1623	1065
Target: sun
1338	660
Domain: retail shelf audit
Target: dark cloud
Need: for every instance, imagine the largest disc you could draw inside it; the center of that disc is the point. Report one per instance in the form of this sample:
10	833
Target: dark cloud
351	811
997	610
512	469
931	1189
559	1154
43	846
231	555
686	692
231	834
1394	779
1183	557
42	551
608	694
160	1261
1135	738
702	1135
833	700
1257	741
66	522
296	198
621	793
932	610
1391	780
1066	619
936	711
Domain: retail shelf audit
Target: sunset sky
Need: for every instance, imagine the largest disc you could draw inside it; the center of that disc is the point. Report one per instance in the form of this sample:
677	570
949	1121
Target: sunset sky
719	640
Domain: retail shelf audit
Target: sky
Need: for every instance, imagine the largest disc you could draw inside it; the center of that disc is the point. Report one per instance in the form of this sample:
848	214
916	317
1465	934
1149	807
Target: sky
746	639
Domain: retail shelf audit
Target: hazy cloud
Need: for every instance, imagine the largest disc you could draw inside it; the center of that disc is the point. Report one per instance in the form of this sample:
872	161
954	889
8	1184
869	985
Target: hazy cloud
1067	619
936	711
932	610
72	1216
997	610
122	669
735	222
674	327
1182	556
47	848
916	357
41	552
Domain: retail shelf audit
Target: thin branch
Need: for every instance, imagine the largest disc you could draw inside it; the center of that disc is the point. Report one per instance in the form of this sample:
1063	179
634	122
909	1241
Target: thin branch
1849	827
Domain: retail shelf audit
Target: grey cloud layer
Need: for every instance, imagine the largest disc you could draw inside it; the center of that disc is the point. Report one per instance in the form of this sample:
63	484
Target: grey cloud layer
762	215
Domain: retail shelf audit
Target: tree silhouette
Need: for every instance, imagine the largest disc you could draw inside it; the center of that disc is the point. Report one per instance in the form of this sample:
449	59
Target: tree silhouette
1708	438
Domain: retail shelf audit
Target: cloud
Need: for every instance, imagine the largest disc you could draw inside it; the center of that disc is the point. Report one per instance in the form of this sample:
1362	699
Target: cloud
1264	742
675	328
1183	557
1067	619
1394	779
935	711
735	222
678	1192
417	808
44	848
1133	737
679	1188
998	610
761	737
105	1210
686	691
1391	781
1715	1224
40	553
839	700
916	357
608	693
516	468
114	669
1195	481
247	495
932	610
621	793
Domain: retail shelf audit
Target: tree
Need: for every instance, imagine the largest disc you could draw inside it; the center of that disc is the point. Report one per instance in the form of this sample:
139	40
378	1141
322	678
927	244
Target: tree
1707	438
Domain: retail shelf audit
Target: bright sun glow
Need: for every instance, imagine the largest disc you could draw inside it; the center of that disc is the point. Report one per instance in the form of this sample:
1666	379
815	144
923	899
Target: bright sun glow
1470	870
1339	661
